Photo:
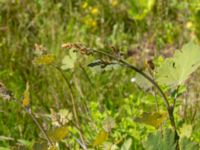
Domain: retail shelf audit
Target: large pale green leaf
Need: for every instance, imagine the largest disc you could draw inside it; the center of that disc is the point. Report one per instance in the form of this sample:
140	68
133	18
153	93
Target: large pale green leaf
187	144
174	71
160	141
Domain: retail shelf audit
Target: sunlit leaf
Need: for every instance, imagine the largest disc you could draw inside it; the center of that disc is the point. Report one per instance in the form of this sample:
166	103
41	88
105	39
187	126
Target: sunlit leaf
52	148
25	142
127	144
69	60
44	59
186	130
26	98
4	148
110	146
101	137
58	133
140	8
154	119
174	71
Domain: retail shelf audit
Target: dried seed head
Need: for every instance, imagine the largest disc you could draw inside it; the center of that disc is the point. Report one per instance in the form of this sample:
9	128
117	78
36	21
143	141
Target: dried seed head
4	92
78	48
39	49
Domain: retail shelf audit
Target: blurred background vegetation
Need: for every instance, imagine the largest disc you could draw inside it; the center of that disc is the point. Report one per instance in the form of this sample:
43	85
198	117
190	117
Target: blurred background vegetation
141	29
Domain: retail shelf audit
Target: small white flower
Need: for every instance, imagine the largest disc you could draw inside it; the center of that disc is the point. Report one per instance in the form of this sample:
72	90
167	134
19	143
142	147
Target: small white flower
133	79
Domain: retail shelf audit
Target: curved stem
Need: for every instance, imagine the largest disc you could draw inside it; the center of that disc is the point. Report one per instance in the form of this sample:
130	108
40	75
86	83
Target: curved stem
155	84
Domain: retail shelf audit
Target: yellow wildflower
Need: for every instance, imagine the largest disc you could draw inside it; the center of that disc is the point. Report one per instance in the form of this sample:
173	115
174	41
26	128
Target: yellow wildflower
85	5
90	22
113	2
95	11
189	25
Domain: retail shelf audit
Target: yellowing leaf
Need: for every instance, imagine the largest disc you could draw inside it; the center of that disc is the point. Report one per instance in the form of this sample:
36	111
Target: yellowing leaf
154	119
44	59
100	138
26	99
58	133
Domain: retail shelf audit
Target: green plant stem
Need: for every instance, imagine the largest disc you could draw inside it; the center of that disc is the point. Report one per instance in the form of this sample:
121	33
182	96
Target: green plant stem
29	111
155	84
73	103
175	97
32	116
86	74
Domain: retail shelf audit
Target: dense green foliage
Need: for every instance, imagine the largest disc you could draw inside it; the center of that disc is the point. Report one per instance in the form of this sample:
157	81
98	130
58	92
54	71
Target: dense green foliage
85	101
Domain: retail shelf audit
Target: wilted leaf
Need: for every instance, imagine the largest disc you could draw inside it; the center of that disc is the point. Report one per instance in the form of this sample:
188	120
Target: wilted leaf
160	141
59	133
142	82
174	71
100	66
95	63
5	93
44	59
108	124
127	144
65	116
154	118
40	146
26	99
100	138
60	118
69	60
